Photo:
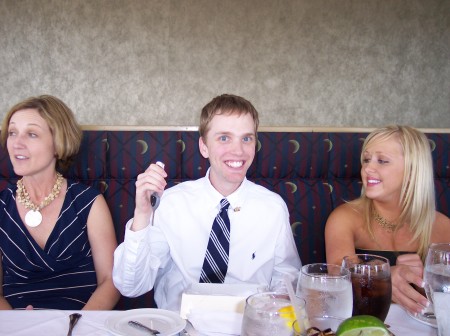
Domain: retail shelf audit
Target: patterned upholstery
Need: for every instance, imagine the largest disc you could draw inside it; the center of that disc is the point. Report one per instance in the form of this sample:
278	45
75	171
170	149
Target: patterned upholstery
313	171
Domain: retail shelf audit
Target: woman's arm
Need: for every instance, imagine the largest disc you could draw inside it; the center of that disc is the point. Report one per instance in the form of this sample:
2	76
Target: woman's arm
441	229
407	272
4	305
339	233
407	275
103	243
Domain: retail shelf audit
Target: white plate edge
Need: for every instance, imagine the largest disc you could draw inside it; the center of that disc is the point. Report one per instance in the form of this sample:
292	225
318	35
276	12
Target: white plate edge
108	321
418	319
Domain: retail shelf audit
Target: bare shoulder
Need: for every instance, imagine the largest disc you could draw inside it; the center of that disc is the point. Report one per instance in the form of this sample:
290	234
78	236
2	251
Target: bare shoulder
346	213
345	219
100	216
441	228
101	205
441	217
341	231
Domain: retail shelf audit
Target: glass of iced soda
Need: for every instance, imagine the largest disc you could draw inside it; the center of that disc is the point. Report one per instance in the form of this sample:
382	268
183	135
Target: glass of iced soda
371	283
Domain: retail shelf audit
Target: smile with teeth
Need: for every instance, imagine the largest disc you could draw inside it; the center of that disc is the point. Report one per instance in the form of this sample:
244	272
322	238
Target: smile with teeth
373	181
234	164
20	157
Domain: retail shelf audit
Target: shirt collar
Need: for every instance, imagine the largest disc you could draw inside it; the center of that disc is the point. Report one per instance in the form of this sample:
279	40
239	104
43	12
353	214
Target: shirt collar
236	199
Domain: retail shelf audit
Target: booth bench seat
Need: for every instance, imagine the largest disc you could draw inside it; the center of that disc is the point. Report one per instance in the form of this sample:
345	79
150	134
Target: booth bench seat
314	170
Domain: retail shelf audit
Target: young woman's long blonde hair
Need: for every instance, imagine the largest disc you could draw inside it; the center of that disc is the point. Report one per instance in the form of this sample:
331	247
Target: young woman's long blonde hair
417	198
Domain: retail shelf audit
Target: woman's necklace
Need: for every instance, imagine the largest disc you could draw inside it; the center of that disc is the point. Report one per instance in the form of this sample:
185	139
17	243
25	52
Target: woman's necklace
384	223
34	217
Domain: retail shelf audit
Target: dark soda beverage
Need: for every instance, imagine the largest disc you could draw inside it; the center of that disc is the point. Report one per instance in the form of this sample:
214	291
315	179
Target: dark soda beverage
372	294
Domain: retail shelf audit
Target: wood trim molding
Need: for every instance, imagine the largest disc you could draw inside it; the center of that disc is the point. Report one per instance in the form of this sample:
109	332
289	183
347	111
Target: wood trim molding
261	129
137	128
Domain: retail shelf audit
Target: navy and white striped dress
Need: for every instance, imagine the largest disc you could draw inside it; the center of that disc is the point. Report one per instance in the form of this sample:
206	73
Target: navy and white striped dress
60	276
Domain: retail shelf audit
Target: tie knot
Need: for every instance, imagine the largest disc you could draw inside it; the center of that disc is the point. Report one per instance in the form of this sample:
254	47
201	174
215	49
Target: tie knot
224	204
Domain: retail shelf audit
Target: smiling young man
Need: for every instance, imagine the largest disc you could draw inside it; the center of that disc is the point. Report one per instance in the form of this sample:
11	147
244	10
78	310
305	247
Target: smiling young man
169	254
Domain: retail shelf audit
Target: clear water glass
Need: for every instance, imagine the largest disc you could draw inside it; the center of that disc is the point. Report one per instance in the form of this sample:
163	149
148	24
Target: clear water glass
270	314
327	290
437	284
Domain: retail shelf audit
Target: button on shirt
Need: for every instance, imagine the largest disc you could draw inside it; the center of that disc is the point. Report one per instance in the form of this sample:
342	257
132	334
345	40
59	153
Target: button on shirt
170	254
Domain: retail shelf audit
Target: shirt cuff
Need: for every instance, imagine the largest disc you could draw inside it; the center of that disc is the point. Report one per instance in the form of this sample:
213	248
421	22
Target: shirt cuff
136	236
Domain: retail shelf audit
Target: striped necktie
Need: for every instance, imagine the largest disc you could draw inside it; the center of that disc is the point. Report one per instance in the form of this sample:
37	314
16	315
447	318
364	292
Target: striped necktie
215	264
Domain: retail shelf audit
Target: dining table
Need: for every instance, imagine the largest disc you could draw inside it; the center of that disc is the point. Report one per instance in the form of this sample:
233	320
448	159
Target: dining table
94	323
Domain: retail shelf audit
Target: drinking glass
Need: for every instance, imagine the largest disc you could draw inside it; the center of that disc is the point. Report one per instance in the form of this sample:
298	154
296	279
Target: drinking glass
327	290
371	283
427	314
437	284
271	314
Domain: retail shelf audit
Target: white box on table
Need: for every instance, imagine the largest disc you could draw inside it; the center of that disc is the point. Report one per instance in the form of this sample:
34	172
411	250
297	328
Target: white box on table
220	297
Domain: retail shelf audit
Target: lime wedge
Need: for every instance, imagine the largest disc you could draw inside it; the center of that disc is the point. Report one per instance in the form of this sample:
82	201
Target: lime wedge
362	325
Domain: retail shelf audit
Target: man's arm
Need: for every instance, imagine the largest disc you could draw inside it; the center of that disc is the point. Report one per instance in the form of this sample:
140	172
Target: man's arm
137	260
287	260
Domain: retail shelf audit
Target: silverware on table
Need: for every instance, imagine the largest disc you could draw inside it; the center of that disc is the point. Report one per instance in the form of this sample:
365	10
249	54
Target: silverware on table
185	332
140	326
73	319
429	315
387	327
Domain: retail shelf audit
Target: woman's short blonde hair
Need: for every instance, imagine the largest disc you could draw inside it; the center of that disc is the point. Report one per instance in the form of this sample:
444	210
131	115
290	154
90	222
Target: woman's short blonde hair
417	199
65	130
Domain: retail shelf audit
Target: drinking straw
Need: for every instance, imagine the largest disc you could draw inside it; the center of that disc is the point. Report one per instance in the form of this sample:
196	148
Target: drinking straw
294	300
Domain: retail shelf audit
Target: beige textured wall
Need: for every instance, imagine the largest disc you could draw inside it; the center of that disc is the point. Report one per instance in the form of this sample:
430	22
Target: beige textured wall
362	63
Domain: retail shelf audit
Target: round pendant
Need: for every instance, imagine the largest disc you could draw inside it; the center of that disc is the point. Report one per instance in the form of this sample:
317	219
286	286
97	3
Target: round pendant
33	218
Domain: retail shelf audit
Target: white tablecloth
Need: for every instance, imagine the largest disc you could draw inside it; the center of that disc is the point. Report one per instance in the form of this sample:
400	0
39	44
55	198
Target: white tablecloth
55	323
403	324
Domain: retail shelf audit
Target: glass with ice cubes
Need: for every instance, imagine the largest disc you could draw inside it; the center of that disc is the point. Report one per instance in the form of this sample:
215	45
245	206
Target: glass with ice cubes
437	284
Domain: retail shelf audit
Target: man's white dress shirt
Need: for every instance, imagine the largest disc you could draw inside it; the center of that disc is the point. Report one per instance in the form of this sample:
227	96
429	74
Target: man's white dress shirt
170	254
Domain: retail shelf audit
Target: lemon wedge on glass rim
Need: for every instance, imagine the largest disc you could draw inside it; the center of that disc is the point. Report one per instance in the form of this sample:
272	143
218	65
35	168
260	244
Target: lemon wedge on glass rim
362	325
288	314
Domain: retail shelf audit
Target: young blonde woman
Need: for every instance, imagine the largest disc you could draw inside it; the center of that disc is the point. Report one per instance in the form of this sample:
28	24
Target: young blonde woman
395	216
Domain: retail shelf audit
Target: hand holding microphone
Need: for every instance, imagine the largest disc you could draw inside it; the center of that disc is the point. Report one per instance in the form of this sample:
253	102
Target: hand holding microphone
154	198
149	185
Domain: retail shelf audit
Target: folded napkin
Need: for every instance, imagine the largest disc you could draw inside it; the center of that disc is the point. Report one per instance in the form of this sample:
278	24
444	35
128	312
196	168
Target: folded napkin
215	322
216	297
